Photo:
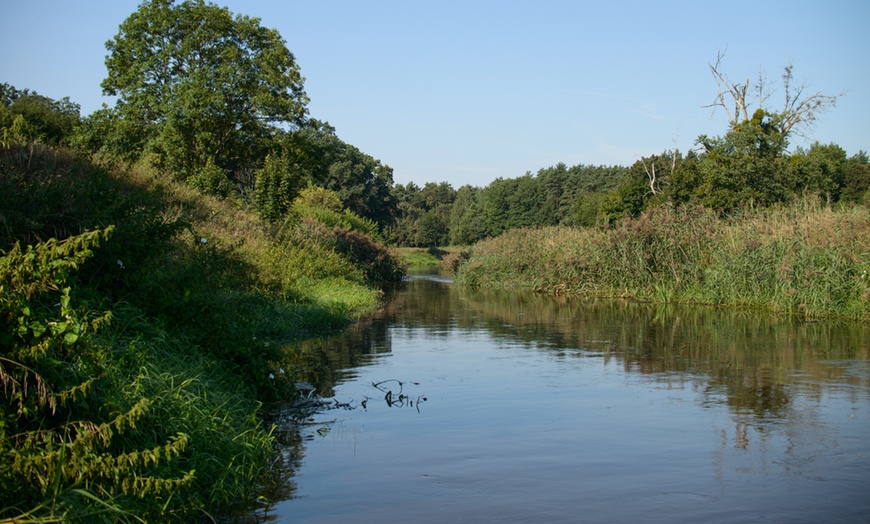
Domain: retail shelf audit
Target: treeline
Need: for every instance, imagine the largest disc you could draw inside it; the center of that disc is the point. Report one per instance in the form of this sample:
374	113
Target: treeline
748	167
438	215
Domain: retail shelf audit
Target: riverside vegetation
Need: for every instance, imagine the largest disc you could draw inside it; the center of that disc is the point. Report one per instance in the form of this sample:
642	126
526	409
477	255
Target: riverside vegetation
805	259
136	350
155	254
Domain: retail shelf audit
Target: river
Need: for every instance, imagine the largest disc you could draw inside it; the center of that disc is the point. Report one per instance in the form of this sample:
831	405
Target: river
452	406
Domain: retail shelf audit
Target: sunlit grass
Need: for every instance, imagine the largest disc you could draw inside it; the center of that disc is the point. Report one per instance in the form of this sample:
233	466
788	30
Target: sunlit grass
806	259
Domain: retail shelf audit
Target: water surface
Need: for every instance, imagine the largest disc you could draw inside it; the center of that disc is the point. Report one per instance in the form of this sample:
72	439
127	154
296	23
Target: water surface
457	407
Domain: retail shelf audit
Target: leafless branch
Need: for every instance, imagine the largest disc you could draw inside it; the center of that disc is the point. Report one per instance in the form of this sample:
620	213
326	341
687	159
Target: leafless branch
651	172
737	92
799	112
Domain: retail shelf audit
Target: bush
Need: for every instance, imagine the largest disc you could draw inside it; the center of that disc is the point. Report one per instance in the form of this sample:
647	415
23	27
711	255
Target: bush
65	434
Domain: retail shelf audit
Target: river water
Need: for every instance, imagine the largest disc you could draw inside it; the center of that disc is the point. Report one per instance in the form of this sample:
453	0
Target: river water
459	407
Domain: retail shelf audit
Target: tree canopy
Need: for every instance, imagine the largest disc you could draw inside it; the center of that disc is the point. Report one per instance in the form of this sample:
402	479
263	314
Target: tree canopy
203	87
40	117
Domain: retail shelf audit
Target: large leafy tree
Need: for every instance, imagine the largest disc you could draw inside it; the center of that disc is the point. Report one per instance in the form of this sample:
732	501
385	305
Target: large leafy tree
363	184
202	89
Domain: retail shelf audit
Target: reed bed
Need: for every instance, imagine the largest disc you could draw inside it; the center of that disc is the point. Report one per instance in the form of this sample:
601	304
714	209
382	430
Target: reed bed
806	259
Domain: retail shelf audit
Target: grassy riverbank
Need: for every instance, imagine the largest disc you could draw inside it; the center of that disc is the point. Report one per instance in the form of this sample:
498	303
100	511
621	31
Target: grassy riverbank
134	357
805	259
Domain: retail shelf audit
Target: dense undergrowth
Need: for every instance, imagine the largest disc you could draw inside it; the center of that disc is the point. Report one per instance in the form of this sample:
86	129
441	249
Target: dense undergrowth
140	326
806	259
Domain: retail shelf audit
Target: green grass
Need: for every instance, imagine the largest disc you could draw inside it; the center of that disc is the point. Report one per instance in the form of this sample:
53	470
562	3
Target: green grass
418	257
805	259
166	395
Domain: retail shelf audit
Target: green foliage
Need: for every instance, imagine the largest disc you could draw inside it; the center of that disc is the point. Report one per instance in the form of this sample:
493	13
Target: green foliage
324	206
47	192
201	297
363	185
26	116
211	180
745	166
856	180
587	209
820	171
201	86
275	188
629	199
438	215
432	229
512	203
61	432
317	197
14	133
466	217
423	214
319	221
805	259
415	257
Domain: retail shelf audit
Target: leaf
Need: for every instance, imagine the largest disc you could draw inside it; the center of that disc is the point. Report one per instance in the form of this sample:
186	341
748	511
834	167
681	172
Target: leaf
59	327
38	328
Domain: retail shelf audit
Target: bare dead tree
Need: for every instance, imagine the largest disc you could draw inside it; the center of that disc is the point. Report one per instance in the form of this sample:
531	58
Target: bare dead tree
800	109
737	93
651	172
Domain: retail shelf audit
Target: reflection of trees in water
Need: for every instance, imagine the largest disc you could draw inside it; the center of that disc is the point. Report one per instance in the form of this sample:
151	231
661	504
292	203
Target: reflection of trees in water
746	360
747	355
323	362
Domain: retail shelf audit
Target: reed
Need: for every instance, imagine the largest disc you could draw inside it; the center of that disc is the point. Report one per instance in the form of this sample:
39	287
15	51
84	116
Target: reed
806	259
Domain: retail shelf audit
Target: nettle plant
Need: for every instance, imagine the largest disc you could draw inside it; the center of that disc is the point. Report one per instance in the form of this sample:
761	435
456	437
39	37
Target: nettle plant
65	442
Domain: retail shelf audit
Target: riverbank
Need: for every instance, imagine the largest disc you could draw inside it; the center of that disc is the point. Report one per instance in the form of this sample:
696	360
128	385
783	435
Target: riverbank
805	259
134	357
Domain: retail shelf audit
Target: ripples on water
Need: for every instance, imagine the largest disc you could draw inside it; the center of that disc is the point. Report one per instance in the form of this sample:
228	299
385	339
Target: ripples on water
518	408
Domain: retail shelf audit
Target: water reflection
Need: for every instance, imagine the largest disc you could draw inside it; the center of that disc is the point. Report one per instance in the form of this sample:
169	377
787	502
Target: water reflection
775	394
748	357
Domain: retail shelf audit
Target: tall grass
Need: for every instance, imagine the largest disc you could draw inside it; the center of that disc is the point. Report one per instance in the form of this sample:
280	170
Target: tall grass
807	259
197	294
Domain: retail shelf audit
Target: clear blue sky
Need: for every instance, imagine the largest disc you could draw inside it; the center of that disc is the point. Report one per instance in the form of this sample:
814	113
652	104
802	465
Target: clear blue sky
467	91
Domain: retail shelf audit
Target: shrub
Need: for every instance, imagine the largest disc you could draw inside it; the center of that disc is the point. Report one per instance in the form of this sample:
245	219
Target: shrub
64	434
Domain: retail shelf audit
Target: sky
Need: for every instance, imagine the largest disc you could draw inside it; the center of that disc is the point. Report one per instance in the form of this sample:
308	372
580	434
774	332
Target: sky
468	91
